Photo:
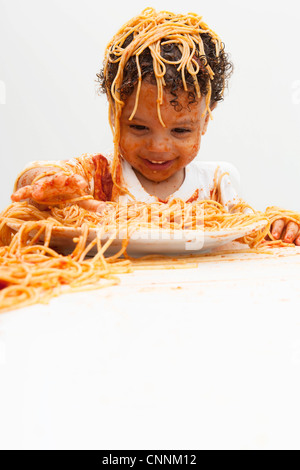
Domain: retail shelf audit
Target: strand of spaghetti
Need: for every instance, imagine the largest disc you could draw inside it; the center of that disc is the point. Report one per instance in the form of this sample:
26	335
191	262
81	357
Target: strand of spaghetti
89	247
23	233
124	246
138	88
48	233
100	255
120	252
39	248
37	236
44	175
69	201
107	244
81	243
88	279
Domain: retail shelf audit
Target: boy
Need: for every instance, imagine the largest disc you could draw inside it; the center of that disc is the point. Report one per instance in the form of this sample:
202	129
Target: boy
163	75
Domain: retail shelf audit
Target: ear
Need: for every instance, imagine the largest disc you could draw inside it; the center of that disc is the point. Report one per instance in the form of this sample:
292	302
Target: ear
207	118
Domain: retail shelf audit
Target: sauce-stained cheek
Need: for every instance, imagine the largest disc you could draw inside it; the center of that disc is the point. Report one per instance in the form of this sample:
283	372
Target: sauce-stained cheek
191	150
131	150
132	147
128	146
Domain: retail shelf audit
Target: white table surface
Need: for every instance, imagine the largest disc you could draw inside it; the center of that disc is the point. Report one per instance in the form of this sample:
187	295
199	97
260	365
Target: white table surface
202	358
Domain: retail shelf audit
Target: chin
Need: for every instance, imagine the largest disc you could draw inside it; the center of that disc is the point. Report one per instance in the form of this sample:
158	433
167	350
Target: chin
157	177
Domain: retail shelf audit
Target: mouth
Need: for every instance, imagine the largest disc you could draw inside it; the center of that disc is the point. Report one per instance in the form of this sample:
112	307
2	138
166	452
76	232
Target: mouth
156	165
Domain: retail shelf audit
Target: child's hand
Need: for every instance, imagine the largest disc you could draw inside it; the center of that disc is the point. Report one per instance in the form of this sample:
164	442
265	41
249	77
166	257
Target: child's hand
92	205
58	187
288	233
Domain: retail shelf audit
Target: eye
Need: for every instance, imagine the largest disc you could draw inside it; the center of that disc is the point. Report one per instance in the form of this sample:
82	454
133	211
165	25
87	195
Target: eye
138	128
180	130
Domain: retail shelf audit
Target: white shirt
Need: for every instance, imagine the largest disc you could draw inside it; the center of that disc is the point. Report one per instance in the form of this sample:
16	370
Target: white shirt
198	181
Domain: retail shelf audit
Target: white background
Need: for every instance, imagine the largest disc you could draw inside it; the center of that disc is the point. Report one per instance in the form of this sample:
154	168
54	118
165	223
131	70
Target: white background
50	53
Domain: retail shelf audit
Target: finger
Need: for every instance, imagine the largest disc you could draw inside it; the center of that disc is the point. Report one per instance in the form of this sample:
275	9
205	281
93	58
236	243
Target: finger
72	183
277	228
297	241
80	182
291	233
22	193
92	205
59	180
42	192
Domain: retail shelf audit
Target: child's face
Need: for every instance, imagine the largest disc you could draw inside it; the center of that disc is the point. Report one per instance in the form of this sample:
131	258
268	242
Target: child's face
155	151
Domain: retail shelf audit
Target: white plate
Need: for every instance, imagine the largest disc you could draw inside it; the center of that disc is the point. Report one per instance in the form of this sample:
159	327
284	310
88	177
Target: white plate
144	242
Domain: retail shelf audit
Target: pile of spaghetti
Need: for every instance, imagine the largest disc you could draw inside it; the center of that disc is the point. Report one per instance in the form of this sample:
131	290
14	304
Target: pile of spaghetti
32	271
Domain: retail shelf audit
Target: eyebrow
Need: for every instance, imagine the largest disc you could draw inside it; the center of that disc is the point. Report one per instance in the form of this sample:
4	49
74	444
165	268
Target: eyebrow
185	122
135	118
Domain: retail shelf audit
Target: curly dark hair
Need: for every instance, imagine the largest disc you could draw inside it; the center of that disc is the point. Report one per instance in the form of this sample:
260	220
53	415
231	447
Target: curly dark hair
220	65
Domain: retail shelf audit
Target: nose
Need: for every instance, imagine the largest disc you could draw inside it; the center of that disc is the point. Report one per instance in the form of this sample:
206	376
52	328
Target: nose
159	144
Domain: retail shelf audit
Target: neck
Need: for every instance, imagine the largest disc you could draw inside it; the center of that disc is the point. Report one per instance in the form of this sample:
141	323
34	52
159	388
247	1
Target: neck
163	189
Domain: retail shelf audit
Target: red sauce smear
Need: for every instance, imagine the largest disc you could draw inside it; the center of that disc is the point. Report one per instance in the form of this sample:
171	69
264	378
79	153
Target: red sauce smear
103	179
3	284
62	264
194	197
